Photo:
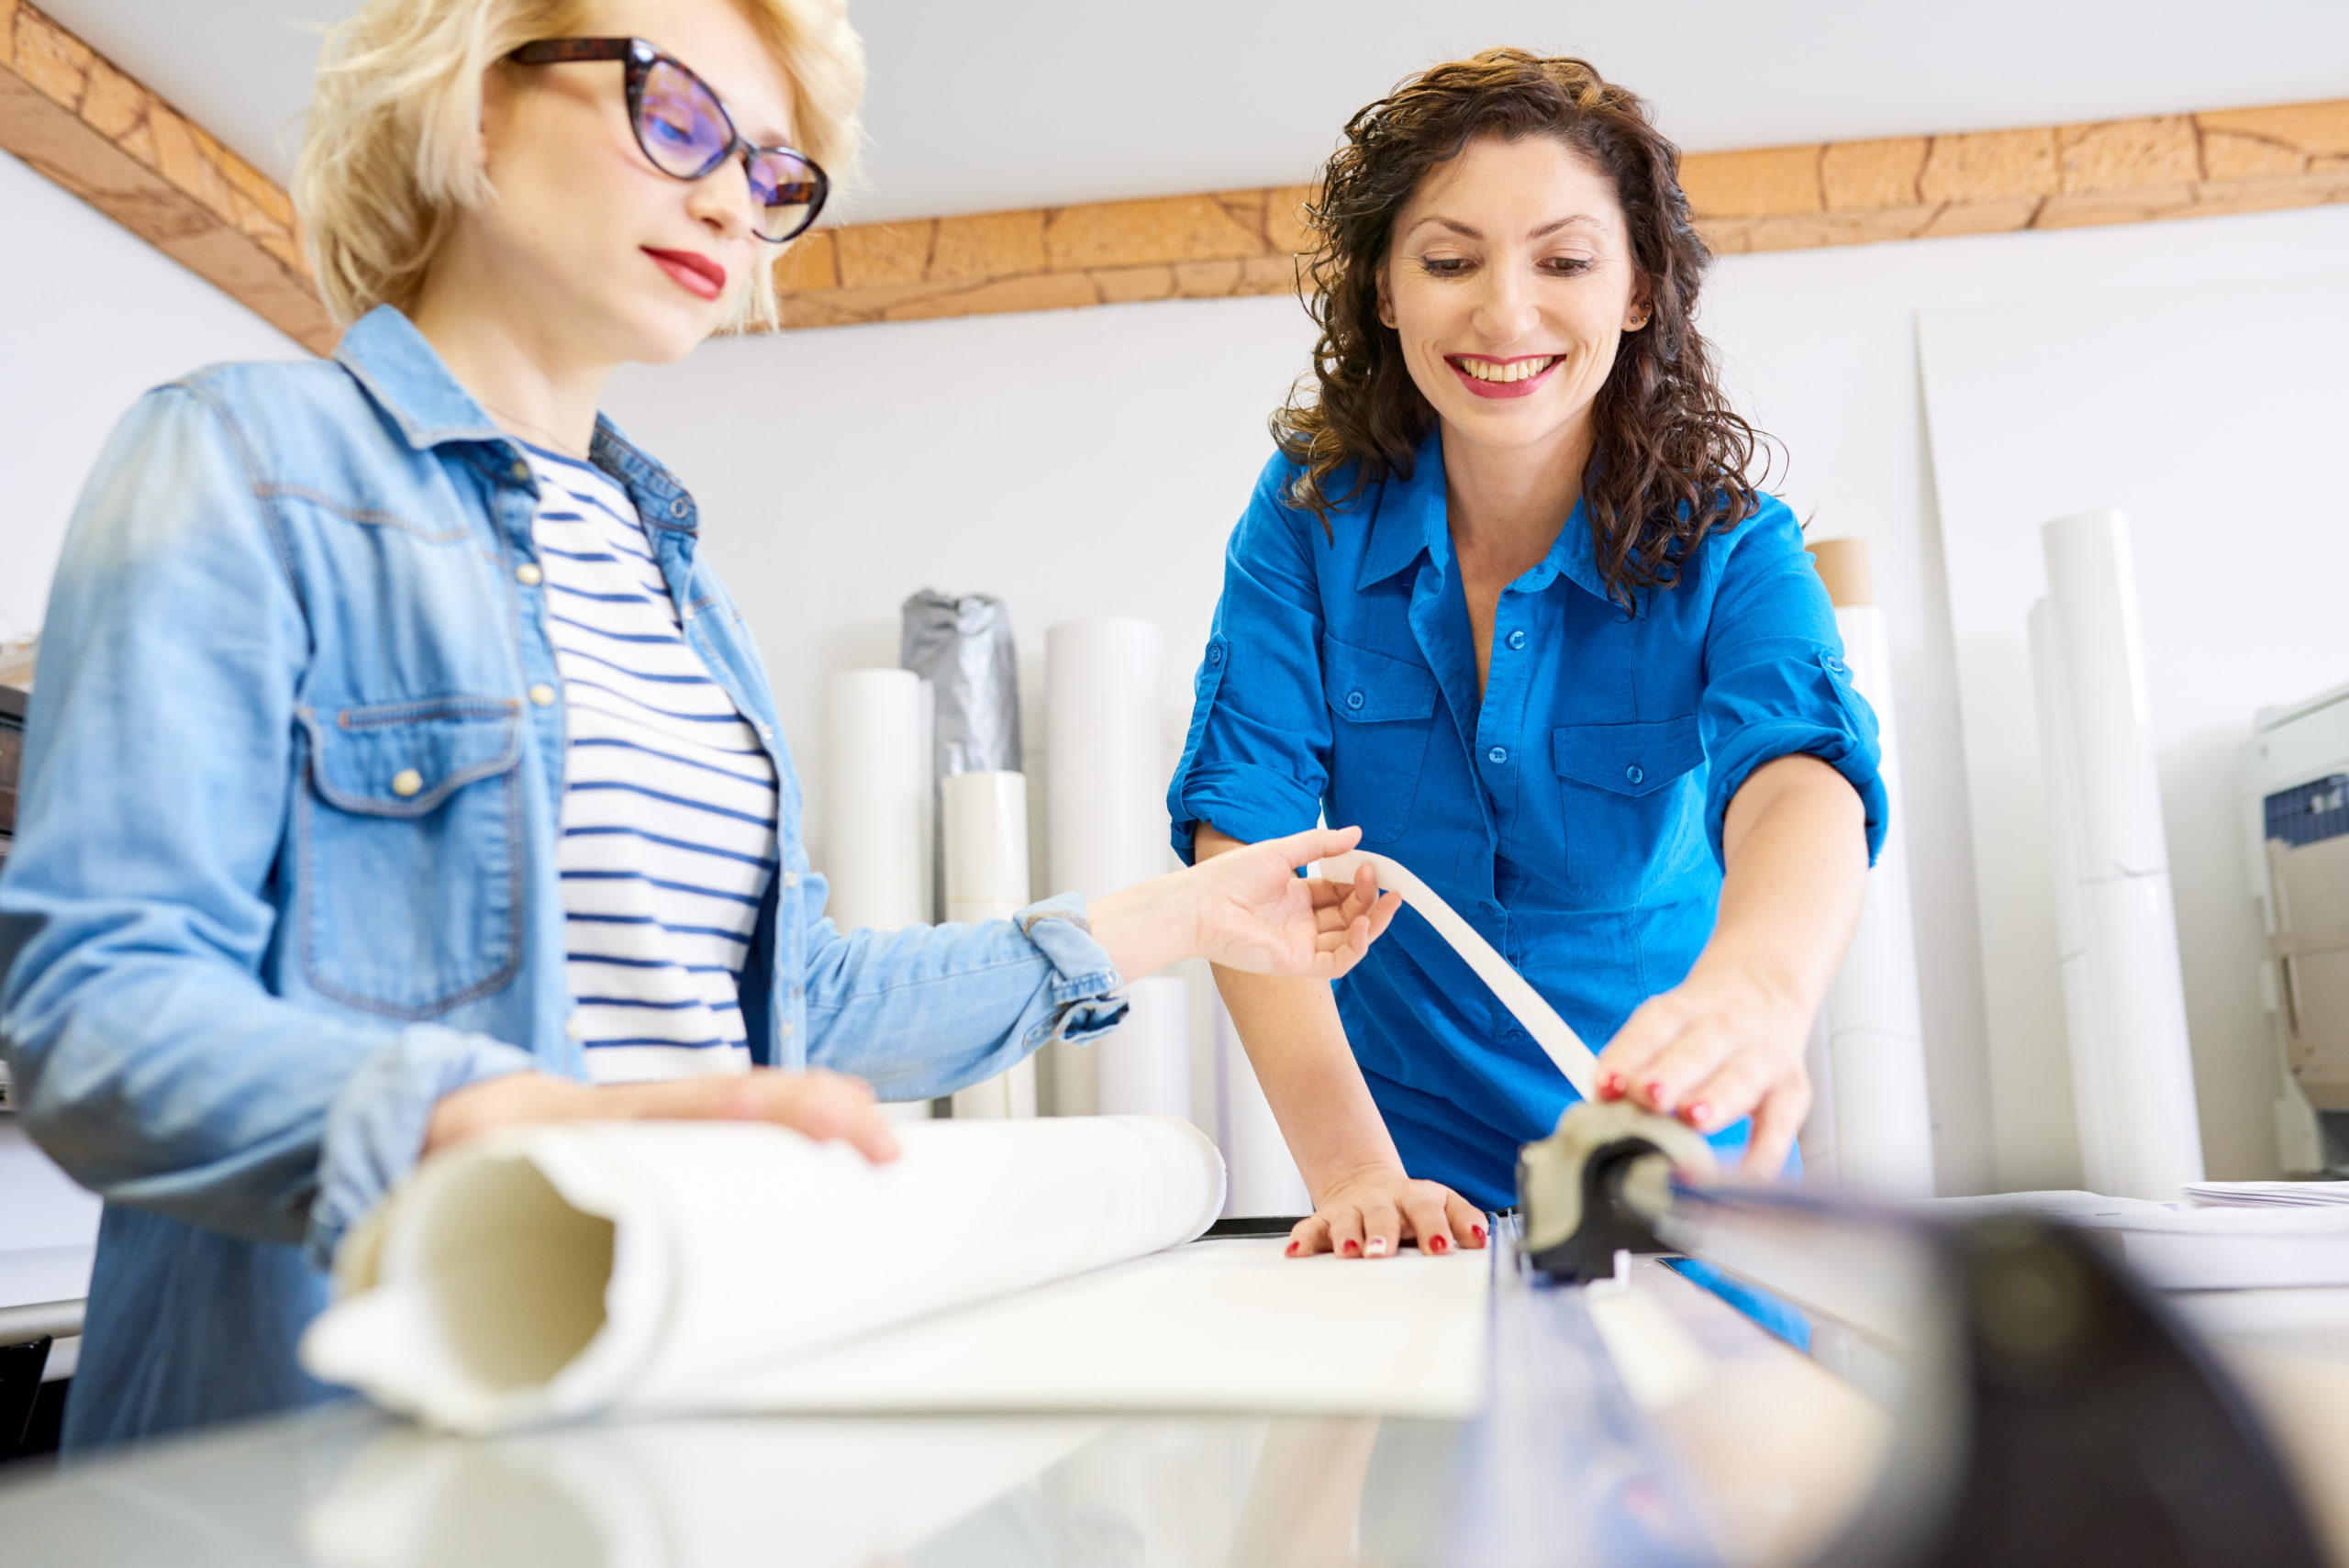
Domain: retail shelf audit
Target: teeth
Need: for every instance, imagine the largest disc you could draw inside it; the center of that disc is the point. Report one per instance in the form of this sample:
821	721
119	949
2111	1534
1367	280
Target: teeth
1517	369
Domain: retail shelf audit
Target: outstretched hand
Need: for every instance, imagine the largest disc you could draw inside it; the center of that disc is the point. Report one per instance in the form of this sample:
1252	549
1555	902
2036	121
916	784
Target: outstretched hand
1254	913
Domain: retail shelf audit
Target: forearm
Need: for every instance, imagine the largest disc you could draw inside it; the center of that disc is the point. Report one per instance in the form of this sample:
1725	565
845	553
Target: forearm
1298	1045
1795	847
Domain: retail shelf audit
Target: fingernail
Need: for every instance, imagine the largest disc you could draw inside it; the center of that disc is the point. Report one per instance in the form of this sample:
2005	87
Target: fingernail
1610	1087
1477	1231
1377	1248
1655	1094
1352	1247
1439	1244
1698	1114
1292	1249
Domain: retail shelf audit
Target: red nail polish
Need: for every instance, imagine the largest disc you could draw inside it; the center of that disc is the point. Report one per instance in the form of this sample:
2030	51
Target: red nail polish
1610	1087
1656	1096
1437	1244
1352	1248
1477	1231
1292	1249
1698	1114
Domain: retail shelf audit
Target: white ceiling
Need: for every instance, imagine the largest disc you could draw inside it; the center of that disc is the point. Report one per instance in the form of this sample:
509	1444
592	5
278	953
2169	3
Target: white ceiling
977	107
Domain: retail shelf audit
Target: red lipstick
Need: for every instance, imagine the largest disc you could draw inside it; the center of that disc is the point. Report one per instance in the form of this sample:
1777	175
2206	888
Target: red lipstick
693	271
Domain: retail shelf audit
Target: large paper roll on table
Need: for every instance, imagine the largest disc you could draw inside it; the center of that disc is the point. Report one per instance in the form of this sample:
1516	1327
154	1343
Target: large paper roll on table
2132	1067
561	1270
876	771
1106	784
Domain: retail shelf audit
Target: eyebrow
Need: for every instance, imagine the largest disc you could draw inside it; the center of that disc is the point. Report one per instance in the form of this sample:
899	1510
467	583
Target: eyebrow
1465	231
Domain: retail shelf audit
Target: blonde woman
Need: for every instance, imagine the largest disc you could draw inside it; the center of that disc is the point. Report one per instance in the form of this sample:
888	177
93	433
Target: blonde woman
399	769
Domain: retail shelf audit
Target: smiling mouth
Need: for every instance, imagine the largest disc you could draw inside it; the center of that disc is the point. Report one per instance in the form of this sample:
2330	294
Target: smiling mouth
1502	371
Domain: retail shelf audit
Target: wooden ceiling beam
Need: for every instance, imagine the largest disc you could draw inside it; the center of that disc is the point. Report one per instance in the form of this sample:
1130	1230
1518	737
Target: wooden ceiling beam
86	125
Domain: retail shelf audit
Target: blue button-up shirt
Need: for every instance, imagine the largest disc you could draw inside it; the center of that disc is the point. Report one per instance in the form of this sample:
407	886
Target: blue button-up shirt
1572	814
285	865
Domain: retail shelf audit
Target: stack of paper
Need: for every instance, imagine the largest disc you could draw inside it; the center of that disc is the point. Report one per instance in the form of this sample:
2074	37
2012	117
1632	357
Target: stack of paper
2268	1195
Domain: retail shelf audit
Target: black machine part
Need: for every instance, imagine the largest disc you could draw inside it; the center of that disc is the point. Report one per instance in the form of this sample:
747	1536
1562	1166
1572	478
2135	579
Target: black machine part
2053	1408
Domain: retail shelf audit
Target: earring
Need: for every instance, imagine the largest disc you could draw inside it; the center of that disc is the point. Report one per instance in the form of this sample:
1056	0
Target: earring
1639	321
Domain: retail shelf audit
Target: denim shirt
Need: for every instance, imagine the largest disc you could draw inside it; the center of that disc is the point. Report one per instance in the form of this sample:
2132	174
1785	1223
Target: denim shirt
285	865
1571	811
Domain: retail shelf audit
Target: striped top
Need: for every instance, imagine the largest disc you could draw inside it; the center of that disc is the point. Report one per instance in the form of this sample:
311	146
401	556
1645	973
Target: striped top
668	805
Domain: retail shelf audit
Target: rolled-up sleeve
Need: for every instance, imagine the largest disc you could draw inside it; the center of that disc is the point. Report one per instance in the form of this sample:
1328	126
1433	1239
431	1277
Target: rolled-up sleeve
1256	759
1775	684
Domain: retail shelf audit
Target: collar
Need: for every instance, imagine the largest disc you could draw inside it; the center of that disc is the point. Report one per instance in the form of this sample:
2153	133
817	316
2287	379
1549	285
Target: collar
409	381
1414	515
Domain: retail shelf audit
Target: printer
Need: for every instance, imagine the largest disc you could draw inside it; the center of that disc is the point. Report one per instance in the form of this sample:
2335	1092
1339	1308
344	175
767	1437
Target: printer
2294	792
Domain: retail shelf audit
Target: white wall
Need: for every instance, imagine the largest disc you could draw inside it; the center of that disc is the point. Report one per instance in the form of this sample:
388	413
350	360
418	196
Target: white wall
1089	460
90	315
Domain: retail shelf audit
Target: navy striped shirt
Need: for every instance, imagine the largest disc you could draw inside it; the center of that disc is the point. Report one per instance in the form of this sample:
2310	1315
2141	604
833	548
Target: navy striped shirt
669	802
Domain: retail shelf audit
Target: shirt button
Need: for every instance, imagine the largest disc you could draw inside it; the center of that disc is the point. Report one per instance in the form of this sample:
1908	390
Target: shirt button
407	781
1517	639
1834	663
574	1028
1633	773
680	507
542	694
1215	655
521	470
528	575
783	1032
1498	754
1353	699
791	879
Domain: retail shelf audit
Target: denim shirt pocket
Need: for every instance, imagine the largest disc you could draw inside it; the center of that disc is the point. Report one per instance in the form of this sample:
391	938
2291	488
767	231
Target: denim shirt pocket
1633	813
1383	712
408	854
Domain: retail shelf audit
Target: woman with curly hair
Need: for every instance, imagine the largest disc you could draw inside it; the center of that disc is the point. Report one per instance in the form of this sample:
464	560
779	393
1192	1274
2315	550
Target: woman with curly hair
1509	597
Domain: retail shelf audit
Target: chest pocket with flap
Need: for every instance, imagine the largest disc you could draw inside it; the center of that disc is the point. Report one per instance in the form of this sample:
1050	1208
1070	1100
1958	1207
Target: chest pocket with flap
1382	711
408	841
1627	828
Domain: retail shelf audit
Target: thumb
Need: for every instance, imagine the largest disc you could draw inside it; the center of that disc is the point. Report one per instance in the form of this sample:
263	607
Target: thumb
1313	844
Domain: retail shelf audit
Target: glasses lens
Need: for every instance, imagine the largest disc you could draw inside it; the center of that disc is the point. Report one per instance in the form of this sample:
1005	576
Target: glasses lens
789	192
678	120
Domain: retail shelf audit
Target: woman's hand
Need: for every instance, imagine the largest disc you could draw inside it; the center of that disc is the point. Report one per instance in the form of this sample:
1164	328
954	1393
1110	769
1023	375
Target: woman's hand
1716	1047
1248	909
825	1106
1373	1213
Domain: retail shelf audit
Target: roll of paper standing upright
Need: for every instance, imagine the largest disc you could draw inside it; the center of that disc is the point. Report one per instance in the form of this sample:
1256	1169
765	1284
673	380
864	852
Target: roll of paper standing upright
1884	1124
1262	1178
1143	1066
985	820
1105	784
877	778
2134	1082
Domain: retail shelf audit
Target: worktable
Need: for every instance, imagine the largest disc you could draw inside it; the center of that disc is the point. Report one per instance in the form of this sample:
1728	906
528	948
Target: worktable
1639	1422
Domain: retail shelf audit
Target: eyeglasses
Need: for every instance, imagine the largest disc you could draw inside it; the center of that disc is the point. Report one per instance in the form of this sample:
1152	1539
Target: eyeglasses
685	132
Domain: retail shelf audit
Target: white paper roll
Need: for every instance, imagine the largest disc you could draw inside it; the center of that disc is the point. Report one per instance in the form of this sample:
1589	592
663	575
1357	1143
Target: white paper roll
878	784
2134	1082
1884	1126
1261	1176
1143	1066
565	1269
986	845
985	815
1104	785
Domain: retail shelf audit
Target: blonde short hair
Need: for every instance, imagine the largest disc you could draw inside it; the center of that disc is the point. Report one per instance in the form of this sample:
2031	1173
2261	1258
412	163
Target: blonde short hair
393	150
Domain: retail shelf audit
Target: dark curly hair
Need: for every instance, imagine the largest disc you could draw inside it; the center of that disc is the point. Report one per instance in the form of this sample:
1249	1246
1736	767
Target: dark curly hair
1671	458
